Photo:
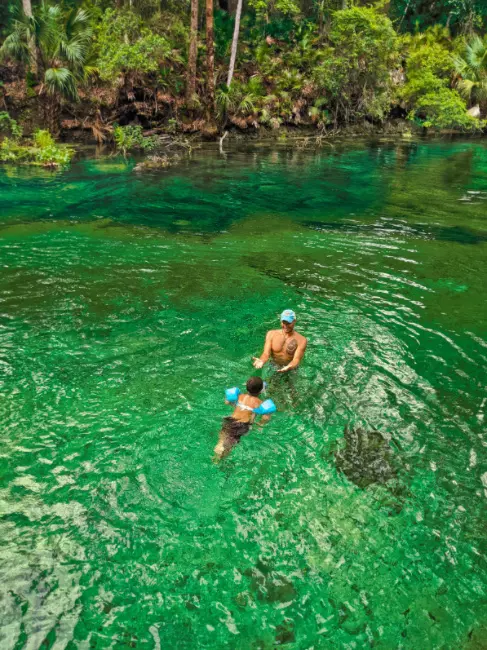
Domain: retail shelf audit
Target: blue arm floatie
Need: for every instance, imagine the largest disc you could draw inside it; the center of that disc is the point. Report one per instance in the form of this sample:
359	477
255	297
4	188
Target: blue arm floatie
266	408
231	394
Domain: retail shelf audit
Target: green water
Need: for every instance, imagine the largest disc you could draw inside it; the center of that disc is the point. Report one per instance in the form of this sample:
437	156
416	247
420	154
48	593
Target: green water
129	302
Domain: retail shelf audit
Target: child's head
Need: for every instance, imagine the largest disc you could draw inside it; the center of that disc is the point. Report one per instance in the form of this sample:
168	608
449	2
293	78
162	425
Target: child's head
254	386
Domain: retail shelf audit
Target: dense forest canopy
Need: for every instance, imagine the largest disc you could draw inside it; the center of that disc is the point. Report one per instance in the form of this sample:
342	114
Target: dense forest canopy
206	65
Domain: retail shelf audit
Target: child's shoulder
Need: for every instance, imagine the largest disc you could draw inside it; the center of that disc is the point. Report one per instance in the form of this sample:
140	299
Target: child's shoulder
251	400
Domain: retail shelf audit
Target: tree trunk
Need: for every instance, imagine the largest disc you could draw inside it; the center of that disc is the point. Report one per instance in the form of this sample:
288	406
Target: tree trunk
234	43
193	52
52	113
27	7
210	57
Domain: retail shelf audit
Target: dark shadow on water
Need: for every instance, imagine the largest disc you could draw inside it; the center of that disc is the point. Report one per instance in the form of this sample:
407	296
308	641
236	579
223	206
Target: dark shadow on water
366	458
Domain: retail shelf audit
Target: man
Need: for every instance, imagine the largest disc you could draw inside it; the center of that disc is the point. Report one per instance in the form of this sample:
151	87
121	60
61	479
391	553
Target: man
285	346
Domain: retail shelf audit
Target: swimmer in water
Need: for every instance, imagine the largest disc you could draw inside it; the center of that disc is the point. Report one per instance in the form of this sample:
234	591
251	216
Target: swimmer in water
242	418
285	346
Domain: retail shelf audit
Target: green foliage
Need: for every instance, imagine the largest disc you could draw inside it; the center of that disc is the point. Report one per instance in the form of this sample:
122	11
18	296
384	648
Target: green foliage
429	67
354	71
427	93
43	151
265	8
127	47
298	62
459	15
48	153
9	126
62	43
471	66
444	109
240	99
131	137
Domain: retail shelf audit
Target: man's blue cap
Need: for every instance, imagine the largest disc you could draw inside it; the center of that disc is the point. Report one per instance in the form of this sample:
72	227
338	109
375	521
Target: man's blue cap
288	315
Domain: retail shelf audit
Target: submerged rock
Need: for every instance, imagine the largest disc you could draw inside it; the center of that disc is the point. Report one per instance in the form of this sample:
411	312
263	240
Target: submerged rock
366	458
156	162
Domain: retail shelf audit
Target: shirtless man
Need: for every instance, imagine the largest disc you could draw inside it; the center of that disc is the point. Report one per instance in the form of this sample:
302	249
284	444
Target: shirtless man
285	346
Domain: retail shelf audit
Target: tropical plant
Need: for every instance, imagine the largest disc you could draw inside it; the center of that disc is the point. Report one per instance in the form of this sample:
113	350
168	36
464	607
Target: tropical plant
472	69
10	126
62	46
128	49
232	100
429	66
444	109
354	72
48	153
132	137
42	151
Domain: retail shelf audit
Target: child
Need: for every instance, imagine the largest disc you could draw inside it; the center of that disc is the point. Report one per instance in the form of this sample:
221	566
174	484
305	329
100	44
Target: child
242	418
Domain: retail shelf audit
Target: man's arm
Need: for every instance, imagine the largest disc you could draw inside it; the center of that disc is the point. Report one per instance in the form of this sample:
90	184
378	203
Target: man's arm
298	355
264	357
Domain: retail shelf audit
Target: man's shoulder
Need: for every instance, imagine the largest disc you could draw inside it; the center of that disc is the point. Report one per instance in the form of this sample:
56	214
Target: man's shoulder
272	332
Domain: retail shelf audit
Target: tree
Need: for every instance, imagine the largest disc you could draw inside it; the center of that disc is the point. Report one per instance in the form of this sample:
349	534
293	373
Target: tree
210	56
234	42
62	44
128	49
193	51
472	68
27	7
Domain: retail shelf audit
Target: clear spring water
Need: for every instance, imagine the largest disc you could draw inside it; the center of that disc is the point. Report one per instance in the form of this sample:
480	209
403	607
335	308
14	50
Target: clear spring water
129	302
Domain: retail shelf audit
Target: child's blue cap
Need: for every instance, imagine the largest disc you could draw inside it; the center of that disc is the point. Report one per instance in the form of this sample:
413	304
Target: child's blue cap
288	315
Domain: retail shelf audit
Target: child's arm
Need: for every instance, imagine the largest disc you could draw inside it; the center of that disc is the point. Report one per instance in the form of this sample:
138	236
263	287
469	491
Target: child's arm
263	420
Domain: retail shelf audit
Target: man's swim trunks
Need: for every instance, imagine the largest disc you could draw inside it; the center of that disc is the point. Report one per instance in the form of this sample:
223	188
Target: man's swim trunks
234	428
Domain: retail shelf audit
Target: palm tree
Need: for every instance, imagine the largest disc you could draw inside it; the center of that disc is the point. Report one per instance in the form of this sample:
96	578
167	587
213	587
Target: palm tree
472	69
193	51
27	7
210	57
62	44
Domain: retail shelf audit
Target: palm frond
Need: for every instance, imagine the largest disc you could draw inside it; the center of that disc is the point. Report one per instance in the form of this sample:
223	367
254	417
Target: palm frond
74	50
475	54
61	81
78	21
246	104
16	45
460	64
466	87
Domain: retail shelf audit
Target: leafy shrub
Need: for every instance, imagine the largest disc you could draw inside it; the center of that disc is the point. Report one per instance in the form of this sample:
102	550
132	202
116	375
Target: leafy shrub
127	47
48	153
444	109
9	125
12	151
429	66
427	93
43	151
132	137
471	66
355	70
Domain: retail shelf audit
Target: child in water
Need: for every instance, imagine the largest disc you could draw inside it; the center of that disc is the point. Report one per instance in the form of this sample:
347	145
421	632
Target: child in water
242	418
